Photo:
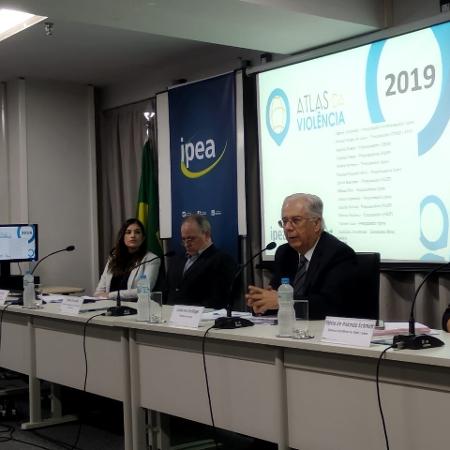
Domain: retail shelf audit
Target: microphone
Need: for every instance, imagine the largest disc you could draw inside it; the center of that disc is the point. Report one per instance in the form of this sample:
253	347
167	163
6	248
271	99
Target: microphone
229	322
119	309
421	341
70	248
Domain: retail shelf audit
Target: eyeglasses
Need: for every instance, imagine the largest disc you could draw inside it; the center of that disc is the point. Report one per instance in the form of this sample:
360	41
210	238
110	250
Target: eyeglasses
188	239
295	221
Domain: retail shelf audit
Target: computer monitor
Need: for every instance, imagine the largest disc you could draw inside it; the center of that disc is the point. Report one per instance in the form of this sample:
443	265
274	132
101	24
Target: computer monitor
18	242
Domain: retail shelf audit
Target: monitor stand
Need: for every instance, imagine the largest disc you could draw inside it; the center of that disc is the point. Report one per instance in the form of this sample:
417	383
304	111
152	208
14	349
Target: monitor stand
11	282
5	269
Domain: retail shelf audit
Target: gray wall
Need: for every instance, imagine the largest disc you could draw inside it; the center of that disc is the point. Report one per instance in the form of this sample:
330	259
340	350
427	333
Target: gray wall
405	11
51	153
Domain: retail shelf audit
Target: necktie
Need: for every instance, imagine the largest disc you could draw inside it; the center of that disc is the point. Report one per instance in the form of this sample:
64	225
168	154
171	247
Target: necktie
190	260
299	280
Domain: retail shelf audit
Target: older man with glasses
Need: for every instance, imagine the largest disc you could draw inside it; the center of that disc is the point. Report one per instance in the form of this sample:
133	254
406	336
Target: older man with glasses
320	267
203	276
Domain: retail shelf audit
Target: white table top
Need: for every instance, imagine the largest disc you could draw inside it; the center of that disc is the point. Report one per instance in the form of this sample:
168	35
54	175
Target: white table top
258	334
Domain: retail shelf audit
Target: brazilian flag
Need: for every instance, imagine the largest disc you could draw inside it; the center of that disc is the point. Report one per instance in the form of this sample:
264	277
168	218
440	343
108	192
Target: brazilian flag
147	205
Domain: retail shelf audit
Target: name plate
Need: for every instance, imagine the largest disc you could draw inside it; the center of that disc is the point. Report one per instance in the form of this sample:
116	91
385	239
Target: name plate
186	316
3	295
340	330
71	304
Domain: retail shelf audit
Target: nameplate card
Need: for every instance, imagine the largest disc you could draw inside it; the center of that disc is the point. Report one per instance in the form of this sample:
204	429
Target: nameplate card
71	304
3	295
186	316
340	330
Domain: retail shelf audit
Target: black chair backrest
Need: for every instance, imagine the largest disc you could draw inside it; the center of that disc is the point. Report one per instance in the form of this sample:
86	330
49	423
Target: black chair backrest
367	295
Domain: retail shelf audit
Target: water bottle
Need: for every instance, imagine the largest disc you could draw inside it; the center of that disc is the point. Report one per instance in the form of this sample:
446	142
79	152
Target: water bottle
28	290
286	311
143	303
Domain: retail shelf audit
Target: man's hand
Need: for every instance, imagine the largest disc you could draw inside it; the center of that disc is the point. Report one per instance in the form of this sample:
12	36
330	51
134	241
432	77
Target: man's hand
261	299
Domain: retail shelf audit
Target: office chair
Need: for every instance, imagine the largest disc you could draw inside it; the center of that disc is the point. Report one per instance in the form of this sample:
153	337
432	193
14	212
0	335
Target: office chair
365	303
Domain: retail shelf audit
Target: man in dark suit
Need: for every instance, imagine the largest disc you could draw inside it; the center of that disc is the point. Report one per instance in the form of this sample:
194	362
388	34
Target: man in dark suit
204	275
320	267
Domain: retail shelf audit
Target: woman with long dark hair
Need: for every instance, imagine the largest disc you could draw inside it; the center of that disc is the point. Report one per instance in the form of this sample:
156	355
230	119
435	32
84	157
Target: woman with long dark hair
121	271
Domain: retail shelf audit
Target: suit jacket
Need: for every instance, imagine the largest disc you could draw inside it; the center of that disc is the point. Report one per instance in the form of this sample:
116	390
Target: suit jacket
330	279
206	283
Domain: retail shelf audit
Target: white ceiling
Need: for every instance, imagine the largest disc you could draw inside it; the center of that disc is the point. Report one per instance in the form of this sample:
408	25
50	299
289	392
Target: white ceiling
102	41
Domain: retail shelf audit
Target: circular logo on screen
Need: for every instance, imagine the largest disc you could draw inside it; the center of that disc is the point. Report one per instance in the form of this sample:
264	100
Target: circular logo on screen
26	232
277	115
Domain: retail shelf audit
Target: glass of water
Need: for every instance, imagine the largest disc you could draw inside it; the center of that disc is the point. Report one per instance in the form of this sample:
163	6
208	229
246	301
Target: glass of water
301	327
156	307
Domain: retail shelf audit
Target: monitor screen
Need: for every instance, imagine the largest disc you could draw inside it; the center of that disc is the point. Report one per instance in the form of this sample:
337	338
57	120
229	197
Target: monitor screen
18	242
366	129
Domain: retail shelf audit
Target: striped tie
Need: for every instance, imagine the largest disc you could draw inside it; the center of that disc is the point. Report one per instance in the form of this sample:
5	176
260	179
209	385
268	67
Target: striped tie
299	280
189	261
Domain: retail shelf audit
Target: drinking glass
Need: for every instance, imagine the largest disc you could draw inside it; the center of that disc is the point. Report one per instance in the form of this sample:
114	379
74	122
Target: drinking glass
156	307
301	327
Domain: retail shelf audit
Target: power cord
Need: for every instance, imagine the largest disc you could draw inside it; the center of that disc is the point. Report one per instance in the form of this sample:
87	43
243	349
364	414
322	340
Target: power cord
380	407
74	446
207	386
6	429
10	430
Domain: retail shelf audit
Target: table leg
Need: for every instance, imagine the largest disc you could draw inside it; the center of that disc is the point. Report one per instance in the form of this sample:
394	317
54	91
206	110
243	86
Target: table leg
127	413
34	392
283	431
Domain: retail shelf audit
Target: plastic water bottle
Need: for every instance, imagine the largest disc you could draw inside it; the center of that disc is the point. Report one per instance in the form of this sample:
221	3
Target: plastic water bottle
143	303
286	311
29	295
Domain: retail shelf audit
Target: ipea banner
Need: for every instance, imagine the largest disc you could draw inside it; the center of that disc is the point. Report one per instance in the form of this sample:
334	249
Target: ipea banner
203	157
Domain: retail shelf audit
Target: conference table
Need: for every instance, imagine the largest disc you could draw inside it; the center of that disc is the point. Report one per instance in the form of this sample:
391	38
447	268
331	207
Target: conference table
303	394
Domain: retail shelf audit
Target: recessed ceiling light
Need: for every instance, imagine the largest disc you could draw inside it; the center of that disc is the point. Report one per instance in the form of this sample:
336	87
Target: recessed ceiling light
12	22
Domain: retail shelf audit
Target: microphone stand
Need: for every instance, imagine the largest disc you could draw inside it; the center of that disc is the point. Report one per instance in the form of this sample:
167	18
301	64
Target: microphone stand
421	341
70	248
119	309
230	322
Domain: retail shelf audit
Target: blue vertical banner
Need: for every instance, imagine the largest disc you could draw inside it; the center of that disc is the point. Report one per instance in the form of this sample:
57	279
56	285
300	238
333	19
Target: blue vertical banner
203	157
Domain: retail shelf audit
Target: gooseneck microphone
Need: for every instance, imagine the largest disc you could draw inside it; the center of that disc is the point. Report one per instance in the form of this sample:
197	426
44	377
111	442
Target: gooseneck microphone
119	309
70	248
411	340
229	322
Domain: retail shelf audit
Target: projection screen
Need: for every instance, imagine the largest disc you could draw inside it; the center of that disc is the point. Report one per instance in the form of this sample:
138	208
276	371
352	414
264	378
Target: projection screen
367	130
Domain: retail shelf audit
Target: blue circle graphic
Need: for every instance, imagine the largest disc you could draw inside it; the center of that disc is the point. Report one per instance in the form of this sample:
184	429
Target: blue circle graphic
279	95
441	241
